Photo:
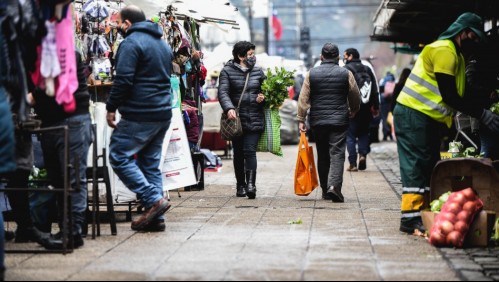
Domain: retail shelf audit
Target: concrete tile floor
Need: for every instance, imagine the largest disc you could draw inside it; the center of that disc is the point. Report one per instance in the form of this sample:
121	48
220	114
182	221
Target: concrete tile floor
212	235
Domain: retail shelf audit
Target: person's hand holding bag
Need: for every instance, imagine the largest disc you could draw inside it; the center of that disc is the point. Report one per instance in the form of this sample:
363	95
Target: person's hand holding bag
232	114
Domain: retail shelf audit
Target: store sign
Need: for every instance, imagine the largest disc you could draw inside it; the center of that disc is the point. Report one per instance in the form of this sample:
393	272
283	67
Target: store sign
176	162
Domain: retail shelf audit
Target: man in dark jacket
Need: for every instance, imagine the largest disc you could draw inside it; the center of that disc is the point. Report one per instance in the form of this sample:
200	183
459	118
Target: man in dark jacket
332	95
141	92
369	108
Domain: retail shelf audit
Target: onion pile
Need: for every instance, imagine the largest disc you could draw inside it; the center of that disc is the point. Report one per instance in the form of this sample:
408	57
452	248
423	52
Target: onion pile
453	222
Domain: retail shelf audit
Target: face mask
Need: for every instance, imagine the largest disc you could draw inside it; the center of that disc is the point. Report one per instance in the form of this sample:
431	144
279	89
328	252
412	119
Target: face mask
250	61
122	31
188	67
468	46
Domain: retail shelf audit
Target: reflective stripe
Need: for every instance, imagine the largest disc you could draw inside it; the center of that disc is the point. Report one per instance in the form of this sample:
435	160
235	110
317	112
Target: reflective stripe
426	101
427	189
413	190
425	83
412	214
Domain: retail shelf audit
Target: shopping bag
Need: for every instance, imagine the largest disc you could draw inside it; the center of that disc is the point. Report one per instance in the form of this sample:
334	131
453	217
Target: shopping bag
305	173
270	140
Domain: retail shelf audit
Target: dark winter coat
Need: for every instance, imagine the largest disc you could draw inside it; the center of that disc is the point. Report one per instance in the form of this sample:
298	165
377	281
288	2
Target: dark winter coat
47	109
365	116
141	88
230	87
329	88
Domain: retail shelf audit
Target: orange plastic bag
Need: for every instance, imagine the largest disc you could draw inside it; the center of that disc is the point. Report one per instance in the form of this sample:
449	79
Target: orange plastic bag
305	173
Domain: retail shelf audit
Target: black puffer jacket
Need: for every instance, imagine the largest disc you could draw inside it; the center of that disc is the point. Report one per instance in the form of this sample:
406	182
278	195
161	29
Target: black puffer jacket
365	116
230	88
329	86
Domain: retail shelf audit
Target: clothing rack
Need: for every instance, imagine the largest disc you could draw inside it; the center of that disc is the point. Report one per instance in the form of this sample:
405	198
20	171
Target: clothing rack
67	219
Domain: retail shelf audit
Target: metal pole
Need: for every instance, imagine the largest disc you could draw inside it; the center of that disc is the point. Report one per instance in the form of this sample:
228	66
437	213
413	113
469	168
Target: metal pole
66	191
250	19
266	34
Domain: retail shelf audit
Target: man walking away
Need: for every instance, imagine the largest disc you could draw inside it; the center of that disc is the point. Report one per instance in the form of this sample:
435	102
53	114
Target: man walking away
369	108
332	95
141	92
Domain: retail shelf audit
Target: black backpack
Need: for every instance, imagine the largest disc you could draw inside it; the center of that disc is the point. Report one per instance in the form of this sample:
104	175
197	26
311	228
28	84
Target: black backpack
364	82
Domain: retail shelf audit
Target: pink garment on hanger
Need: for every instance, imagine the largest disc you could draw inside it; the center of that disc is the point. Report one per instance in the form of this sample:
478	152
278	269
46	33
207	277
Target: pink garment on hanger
67	81
49	65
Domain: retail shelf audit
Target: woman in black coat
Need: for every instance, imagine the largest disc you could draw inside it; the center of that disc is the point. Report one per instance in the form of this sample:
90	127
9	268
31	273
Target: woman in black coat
231	84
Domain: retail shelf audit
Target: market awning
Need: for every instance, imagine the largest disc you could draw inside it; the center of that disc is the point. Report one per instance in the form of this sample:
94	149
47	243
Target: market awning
421	21
216	12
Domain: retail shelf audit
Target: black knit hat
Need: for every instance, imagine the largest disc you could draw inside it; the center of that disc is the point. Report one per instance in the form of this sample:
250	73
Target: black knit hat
330	51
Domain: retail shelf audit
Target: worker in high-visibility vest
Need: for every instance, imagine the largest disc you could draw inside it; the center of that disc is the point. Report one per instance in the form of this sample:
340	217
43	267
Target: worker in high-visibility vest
429	99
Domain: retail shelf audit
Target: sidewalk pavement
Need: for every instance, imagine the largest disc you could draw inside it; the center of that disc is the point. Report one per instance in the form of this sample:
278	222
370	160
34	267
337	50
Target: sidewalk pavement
472	264
212	235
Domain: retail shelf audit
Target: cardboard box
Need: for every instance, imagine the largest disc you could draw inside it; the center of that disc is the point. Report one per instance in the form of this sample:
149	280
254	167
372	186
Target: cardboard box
460	173
480	230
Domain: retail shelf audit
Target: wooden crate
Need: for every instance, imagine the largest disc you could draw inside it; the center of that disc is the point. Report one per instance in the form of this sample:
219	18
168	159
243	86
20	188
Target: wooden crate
460	173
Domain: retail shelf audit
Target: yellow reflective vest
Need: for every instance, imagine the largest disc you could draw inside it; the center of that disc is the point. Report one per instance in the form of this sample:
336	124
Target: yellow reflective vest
421	91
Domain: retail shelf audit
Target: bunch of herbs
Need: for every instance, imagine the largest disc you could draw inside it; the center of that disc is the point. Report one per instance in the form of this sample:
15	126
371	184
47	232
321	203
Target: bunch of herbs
275	87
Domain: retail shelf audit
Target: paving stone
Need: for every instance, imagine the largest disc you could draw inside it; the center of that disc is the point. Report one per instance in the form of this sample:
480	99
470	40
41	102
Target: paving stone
486	259
465	264
212	235
475	276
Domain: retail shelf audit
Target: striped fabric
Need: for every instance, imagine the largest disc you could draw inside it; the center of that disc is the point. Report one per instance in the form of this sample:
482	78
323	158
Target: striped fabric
270	140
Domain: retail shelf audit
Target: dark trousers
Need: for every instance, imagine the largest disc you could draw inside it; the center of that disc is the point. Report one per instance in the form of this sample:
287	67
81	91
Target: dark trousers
419	151
331	146
360	132
245	154
80	137
19	200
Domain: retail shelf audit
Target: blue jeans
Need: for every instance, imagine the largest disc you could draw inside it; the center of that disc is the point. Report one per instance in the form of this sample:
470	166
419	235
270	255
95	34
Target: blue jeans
142	175
80	138
360	132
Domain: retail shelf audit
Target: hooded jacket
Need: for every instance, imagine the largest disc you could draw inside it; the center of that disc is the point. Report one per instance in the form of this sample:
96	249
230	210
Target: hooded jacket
141	88
230	88
365	116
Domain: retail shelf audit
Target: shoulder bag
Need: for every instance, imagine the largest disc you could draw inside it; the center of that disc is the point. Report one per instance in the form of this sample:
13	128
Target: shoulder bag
231	128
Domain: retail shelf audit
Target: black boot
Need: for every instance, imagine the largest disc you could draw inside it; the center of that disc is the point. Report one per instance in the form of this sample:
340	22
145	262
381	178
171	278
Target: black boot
325	195
56	243
251	180
241	190
241	184
335	194
29	234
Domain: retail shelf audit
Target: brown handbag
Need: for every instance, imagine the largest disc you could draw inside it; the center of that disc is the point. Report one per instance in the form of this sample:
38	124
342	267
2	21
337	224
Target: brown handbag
232	128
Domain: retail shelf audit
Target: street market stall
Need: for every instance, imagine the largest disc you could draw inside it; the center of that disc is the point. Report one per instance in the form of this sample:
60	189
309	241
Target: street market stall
468	214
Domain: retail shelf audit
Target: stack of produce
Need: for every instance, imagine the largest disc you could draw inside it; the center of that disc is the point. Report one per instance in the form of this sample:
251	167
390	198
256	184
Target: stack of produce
453	222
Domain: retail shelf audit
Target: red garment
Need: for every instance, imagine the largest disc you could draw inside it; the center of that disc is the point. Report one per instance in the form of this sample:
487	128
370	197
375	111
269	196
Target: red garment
193	127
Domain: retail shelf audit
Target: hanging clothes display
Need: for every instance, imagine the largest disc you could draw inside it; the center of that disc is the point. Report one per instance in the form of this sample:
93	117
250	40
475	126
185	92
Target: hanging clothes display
67	81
